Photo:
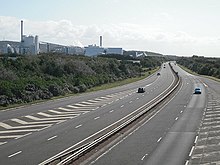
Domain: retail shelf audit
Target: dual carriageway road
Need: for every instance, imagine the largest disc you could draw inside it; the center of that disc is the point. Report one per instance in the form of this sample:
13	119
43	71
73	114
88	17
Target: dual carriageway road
32	134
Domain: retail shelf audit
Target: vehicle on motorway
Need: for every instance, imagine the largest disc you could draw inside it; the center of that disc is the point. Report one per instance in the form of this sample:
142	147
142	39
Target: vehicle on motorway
197	90
141	90
158	74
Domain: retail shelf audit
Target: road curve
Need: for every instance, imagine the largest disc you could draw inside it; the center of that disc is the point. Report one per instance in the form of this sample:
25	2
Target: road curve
32	134
168	137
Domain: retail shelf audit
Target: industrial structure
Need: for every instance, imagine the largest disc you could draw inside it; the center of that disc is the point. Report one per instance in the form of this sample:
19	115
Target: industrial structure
30	45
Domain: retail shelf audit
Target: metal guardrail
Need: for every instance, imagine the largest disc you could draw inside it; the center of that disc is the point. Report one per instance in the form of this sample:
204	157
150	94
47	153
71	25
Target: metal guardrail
72	155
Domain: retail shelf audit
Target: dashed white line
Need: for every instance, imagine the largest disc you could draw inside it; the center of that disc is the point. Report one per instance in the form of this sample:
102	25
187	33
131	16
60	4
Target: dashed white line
122	106
181	111
130	101
187	162
96	118
111	111
52	138
144	156
137	98
78	126
176	118
159	140
196	139
190	154
15	154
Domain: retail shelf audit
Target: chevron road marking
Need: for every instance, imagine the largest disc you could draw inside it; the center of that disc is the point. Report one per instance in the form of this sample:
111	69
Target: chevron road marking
48	115
58	112
11	136
7	126
77	108
55	118
17	131
41	122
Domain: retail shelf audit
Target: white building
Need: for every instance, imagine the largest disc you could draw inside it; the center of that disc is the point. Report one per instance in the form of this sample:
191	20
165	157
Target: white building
93	50
114	51
29	45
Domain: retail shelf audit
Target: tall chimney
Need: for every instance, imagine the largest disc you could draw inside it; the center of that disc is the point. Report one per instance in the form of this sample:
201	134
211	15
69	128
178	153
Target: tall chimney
22	40
100	41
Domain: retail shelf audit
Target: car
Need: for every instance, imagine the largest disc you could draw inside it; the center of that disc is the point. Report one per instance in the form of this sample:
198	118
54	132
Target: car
158	74
141	90
197	90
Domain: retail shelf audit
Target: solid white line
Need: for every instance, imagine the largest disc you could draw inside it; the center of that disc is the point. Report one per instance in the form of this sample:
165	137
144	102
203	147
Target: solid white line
190	154
96	118
52	138
159	140
15	154
78	126
176	118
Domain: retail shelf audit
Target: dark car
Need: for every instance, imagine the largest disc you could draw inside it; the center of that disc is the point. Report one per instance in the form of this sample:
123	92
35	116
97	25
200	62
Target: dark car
197	90
158	74
141	90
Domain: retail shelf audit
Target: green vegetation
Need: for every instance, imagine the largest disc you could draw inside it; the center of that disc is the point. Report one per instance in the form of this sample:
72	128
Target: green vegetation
29	78
202	65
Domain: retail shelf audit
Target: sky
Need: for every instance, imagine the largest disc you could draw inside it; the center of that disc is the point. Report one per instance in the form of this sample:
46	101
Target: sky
171	27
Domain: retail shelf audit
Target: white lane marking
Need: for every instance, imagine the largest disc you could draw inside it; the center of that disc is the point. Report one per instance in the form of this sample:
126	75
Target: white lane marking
40	119
142	95
159	140
1	143
176	118
7	126
122	106
144	156
52	138
20	131
24	135
41	122
15	154
103	105
196	139
137	98
111	111
205	84
190	154
10	136
110	126
78	126
130	101
96	118
187	162
116	99
181	111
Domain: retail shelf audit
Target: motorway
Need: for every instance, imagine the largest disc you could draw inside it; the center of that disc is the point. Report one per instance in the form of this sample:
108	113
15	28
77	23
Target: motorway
168	137
32	134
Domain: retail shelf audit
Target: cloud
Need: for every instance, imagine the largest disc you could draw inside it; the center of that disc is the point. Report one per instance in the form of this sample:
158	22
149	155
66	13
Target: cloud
127	36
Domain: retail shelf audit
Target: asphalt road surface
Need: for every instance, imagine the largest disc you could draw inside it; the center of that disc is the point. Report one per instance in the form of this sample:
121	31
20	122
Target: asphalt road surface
168	137
32	134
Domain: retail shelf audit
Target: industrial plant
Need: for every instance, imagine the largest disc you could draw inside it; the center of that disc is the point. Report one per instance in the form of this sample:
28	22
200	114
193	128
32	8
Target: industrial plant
30	45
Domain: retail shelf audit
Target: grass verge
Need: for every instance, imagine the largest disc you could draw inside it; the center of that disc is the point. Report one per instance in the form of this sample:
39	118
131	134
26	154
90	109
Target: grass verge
194	73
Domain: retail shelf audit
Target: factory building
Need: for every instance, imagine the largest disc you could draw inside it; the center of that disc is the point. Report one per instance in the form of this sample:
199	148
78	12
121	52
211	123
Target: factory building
93	50
114	51
29	45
